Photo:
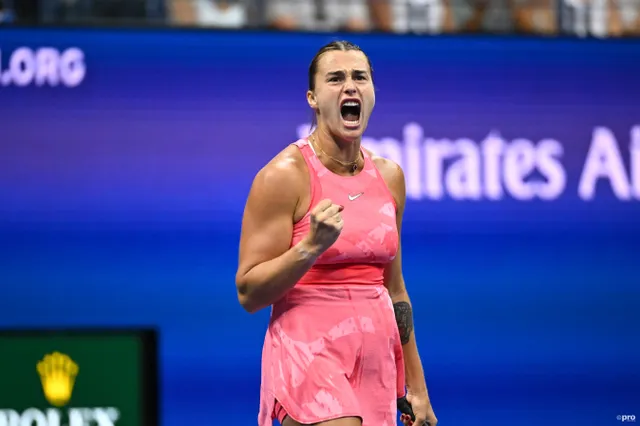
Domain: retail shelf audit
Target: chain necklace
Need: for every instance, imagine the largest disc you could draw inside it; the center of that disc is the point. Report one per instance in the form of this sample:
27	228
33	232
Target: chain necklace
352	164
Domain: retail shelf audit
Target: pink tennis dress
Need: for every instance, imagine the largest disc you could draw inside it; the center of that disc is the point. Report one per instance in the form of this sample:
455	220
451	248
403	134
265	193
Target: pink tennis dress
332	348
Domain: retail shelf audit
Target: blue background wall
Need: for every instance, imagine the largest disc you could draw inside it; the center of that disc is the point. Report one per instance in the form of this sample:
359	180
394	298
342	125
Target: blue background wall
122	188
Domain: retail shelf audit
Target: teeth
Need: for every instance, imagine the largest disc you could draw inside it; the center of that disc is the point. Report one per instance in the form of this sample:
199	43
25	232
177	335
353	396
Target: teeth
351	104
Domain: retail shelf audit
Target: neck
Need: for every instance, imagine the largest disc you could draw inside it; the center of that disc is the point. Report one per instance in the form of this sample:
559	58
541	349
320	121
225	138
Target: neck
345	151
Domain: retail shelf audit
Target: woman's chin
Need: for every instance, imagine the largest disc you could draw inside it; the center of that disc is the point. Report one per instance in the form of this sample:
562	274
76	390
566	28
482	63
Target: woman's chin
351	131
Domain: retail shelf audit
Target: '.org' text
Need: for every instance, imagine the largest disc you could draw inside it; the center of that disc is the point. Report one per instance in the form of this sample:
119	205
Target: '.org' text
45	66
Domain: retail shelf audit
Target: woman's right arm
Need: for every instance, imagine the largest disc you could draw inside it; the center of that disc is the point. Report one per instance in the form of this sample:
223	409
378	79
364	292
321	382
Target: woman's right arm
267	267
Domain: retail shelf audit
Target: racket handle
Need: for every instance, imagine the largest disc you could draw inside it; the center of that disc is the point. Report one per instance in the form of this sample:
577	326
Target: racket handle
405	408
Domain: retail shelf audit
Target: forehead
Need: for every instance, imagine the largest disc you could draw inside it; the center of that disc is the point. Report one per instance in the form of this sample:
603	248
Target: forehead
337	60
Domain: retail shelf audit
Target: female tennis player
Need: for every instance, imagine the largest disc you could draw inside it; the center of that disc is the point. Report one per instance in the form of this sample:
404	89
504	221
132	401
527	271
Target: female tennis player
320	243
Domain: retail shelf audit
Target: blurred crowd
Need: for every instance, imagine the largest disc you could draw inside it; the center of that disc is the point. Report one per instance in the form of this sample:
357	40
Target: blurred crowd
582	18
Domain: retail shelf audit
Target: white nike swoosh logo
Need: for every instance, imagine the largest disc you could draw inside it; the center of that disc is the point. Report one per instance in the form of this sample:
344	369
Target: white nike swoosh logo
353	197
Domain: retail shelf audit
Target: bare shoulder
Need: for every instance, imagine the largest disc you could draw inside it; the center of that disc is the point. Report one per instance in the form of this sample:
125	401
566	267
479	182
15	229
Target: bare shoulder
282	174
392	174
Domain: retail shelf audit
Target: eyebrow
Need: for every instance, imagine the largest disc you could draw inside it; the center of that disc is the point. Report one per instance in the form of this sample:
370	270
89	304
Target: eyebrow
341	73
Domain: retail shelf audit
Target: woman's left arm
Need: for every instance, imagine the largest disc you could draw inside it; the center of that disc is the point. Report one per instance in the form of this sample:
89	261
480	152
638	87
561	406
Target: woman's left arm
417	394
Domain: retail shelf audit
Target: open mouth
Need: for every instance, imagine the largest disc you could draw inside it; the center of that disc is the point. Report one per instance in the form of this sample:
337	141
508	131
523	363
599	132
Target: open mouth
350	111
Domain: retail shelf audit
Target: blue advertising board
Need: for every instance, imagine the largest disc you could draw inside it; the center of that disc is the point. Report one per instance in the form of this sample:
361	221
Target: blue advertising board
127	156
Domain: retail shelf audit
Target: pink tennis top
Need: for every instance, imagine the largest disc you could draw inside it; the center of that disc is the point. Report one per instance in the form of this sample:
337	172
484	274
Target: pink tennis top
333	348
369	239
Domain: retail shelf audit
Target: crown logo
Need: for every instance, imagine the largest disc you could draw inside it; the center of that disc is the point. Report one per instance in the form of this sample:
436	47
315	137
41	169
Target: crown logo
58	375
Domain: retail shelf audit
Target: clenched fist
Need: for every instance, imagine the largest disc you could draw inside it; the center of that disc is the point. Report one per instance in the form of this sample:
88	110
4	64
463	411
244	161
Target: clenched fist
326	225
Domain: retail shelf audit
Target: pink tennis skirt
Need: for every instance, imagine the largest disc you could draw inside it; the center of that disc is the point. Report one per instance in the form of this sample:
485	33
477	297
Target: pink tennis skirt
331	352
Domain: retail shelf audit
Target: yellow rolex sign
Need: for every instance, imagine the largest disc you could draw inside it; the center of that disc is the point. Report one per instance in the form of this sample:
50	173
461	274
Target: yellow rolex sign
78	378
58	374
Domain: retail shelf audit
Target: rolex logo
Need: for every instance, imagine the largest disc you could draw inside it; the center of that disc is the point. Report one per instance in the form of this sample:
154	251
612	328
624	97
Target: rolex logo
58	374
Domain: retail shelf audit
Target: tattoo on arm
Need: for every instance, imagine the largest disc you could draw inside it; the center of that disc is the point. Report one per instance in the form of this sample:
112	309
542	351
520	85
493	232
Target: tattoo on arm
404	319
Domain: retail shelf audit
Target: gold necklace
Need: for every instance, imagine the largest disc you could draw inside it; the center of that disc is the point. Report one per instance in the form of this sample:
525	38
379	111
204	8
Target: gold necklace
353	164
